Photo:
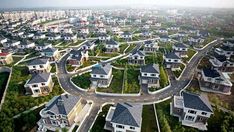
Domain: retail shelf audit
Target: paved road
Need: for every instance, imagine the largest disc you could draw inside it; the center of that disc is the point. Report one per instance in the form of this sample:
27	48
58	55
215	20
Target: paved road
174	89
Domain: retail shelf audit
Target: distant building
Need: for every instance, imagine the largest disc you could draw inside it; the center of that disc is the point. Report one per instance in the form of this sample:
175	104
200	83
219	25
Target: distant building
172	61
180	49
5	58
52	54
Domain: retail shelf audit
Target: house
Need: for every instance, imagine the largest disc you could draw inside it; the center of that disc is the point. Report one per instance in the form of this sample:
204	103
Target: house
193	110
11	43
60	112
222	63
164	38
227	49
182	34
111	46
195	40
103	37
126	36
124	117
137	57
212	80
69	37
146	34
52	54
39	36
150	75
39	65
172	61
115	30
5	58
203	33
180	49
17	33
26	44
162	31
27	35
3	39
101	75
84	31
42	46
150	46
53	36
174	28
39	84
77	57
88	45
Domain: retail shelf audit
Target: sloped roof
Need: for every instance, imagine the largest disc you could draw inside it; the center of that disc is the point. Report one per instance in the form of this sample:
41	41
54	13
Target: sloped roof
62	104
180	45
128	114
39	78
38	62
211	73
172	55
50	49
197	102
150	68
101	69
111	42
141	53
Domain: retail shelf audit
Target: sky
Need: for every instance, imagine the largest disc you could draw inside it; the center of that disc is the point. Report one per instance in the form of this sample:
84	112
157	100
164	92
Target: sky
92	3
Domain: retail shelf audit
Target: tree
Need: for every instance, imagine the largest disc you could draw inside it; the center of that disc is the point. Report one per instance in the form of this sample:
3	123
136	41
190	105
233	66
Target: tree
163	77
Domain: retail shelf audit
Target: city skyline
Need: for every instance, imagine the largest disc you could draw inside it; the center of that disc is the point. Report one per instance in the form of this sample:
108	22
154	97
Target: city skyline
89	3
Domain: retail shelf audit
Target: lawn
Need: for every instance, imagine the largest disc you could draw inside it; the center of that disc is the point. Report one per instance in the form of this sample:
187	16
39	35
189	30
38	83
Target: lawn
99	124
70	68
204	63
77	43
130	48
33	54
116	83
178	72
113	54
131	84
82	81
16	59
148	119
190	54
16	102
53	69
120	62
169	123
122	47
3	80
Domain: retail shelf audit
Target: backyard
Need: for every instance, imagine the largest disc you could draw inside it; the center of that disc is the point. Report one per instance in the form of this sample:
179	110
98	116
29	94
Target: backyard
131	83
82	81
148	119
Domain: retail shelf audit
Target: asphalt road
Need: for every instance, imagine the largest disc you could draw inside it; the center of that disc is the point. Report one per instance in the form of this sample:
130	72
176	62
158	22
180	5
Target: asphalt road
174	89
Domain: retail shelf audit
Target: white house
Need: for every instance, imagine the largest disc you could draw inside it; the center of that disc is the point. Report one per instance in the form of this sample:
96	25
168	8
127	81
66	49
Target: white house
39	65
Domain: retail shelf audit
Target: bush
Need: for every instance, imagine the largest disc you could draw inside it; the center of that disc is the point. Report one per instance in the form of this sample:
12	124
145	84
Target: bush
163	77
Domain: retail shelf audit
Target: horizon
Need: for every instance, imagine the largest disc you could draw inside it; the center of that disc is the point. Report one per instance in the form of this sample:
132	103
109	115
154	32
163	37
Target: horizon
28	4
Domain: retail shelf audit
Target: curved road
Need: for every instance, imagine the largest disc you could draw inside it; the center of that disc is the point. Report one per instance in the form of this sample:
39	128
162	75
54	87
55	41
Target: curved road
175	88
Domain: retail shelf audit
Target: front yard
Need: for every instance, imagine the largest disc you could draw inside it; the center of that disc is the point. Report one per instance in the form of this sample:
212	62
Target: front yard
122	47
190	54
177	73
99	123
70	68
116	83
148	119
131	82
82	81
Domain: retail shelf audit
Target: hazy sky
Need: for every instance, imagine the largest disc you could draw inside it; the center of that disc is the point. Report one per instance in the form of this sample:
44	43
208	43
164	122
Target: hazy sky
81	3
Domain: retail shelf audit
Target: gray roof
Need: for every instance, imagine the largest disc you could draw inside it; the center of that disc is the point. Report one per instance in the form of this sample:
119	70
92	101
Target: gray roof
197	102
111	42
101	69
150	68
172	55
50	49
128	114
141	53
211	72
39	78
180	45
62	104
38	62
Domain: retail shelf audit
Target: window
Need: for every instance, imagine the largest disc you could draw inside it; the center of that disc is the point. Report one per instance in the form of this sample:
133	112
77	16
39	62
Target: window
101	76
34	86
145	74
120	126
34	66
42	84
204	113
189	118
153	75
94	75
169	60
133	128
36	91
175	60
41	66
192	112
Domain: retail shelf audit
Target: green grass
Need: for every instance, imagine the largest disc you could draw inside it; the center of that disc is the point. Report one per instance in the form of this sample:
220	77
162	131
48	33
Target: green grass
190	54
70	68
130	48
53	69
132	83
82	81
33	54
178	72
148	119
116	83
15	100
109	54
3	81
168	122
122	47
99	124
16	59
87	63
77	43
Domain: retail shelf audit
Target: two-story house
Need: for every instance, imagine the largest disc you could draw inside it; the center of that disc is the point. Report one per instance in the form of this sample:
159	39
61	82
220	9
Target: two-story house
212	80
103	37
11	43
26	44
88	45
172	61
52	54
101	75
53	36
137	57
5	58
69	37
39	36
193	110
124	117
149	75
150	46
42	46
111	46
39	65
39	84
126	36
180	49
77	57
60	112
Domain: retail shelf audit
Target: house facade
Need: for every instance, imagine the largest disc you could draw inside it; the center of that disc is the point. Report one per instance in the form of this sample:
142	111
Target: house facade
5	58
111	46
180	49
149	75
137	58
172	61
78	57
39	66
150	46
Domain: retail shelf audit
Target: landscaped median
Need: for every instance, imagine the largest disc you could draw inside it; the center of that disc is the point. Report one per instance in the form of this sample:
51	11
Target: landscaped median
190	53
15	100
